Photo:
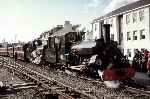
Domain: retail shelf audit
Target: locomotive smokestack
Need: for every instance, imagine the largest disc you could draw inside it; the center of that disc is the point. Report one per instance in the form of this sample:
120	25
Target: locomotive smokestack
106	33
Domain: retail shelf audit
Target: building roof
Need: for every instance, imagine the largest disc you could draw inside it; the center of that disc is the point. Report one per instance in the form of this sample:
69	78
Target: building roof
62	32
66	29
125	8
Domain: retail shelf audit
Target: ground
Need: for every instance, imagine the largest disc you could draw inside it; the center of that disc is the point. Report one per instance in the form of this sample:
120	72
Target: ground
8	78
142	78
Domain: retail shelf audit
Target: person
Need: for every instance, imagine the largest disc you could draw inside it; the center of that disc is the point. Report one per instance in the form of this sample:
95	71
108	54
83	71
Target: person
136	60
148	64
144	60
15	56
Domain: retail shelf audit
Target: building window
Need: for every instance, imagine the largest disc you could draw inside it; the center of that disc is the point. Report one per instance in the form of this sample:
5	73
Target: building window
95	38
95	27
107	21
134	16
142	34
128	36
112	37
134	35
127	18
141	15
129	52
111	22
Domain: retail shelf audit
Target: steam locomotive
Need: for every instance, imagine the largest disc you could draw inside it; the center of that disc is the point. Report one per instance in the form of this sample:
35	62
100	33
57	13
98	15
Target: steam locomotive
105	59
100	58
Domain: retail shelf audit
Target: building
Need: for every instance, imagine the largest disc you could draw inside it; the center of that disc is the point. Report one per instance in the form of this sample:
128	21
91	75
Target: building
66	29
44	36
88	35
87	32
130	26
59	29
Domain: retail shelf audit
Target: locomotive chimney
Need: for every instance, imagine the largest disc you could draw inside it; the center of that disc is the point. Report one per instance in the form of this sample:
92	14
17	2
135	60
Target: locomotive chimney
106	33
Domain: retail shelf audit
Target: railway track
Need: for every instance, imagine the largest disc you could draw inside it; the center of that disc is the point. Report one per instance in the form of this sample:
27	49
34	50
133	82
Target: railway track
138	91
47	82
137	88
56	82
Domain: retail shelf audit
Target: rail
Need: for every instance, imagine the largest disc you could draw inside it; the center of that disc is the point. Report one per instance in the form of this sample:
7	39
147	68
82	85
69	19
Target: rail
58	87
47	82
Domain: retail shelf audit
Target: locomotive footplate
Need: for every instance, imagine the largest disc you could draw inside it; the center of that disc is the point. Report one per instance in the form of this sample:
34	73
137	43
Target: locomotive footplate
77	68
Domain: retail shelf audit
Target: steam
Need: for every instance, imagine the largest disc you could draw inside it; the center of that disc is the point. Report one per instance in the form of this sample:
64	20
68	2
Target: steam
109	84
112	84
85	44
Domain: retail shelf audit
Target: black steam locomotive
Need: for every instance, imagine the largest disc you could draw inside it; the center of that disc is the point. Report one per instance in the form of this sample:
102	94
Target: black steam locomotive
101	57
97	58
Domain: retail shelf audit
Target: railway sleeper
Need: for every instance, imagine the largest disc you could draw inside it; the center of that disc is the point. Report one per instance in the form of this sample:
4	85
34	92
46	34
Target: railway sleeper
68	91
47	82
50	83
53	83
58	88
76	95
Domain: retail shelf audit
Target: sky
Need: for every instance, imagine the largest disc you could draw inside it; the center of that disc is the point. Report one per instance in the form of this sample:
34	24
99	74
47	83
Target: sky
25	20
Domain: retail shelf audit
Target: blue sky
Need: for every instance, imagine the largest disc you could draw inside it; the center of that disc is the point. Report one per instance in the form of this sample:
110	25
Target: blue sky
27	19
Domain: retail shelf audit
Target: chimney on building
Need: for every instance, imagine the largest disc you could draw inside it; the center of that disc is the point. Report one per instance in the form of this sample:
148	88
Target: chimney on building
67	23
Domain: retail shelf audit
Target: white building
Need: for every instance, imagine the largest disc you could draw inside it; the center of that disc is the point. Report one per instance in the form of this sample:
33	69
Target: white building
88	35
44	37
130	26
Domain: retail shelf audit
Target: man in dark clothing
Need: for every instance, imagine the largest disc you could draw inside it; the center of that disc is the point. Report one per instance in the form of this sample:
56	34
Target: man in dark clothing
144	60
15	55
137	60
